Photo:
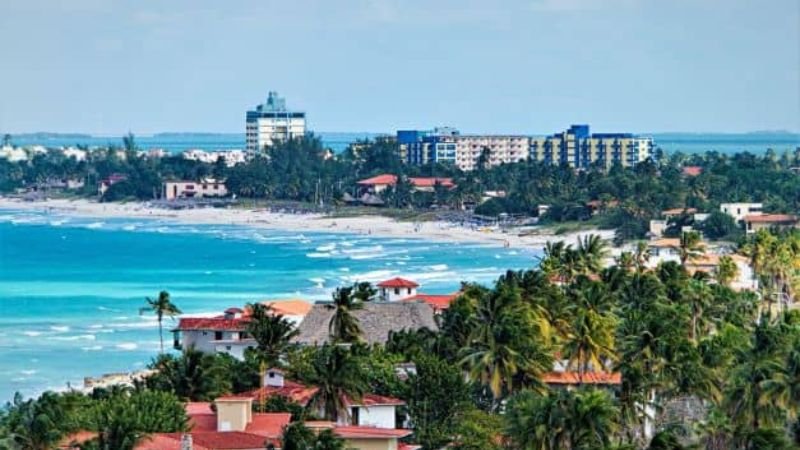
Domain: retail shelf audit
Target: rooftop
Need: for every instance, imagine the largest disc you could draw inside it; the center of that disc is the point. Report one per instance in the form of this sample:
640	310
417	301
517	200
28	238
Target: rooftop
771	218
398	282
377	319
439	302
570	378
211	323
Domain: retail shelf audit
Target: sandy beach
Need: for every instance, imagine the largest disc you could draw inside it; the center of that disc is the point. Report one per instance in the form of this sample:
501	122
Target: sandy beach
366	225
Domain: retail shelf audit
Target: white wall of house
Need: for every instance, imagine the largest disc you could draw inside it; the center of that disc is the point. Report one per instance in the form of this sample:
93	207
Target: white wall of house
380	416
390	294
234	348
203	340
739	210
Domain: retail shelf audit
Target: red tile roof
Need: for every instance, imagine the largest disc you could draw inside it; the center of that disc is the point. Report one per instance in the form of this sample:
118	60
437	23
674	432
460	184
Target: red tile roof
771	218
193	408
431	182
216	440
437	302
692	171
398	283
588	378
375	400
268	424
203	422
380	179
161	441
369	432
294	391
78	437
211	323
302	394
674	211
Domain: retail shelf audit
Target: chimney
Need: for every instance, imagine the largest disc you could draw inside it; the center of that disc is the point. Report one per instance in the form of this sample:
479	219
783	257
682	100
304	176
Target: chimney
186	442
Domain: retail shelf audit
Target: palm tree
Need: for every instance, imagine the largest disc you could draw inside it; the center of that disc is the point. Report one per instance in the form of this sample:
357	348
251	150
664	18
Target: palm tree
339	378
34	424
592	250
161	306
272	332
192	376
689	247
344	326
590	341
507	343
726	271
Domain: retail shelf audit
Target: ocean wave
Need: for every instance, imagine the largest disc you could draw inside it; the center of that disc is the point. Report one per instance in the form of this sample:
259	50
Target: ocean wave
318	255
95	225
32	333
28	371
78	337
438	267
326	247
60	328
92	348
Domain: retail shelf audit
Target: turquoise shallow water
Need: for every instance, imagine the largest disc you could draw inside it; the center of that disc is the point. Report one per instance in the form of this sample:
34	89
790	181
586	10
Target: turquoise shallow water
70	288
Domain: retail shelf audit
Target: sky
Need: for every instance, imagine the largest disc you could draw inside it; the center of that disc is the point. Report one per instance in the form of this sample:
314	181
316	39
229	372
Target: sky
498	66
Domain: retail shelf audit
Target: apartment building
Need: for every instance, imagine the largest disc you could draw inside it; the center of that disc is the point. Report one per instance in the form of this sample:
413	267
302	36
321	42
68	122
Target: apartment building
575	147
578	148
272	122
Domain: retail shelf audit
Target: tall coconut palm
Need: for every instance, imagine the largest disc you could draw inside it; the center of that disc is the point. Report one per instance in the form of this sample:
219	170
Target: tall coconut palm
339	378
344	326
726	271
690	246
272	332
593	251
590	341
161	306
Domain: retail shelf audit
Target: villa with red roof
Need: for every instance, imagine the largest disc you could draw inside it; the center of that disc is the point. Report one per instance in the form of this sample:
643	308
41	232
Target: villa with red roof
378	184
401	289
371	410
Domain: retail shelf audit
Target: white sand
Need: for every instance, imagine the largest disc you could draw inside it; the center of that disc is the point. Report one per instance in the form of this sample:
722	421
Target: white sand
365	225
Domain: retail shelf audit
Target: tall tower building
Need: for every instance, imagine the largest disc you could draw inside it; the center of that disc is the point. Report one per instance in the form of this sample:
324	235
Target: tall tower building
271	122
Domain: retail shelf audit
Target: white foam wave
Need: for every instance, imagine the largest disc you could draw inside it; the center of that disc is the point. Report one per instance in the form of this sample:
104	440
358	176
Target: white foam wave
28	372
32	333
326	248
438	267
95	225
60	328
318	255
92	348
78	337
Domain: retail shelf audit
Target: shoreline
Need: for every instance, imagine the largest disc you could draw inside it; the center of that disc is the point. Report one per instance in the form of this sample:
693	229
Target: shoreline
372	225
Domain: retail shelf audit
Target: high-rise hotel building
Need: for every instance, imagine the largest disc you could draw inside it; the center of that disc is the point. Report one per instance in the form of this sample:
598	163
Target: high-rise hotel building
575	147
272	122
578	148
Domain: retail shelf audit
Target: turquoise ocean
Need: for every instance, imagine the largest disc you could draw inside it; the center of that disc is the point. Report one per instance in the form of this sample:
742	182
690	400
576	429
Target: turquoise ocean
71	288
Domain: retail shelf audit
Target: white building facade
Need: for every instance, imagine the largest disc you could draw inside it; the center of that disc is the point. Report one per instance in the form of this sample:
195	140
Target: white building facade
271	122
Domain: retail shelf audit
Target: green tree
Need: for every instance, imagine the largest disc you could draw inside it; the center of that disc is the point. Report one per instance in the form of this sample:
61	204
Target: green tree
272	332
192	376
726	270
437	396
161	306
339	378
344	326
122	421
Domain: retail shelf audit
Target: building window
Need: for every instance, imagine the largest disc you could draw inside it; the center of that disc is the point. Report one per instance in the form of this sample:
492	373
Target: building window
354	415
396	291
218	335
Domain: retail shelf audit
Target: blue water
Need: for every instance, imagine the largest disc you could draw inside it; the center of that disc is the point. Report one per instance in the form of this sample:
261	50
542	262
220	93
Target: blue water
178	142
756	143
70	288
